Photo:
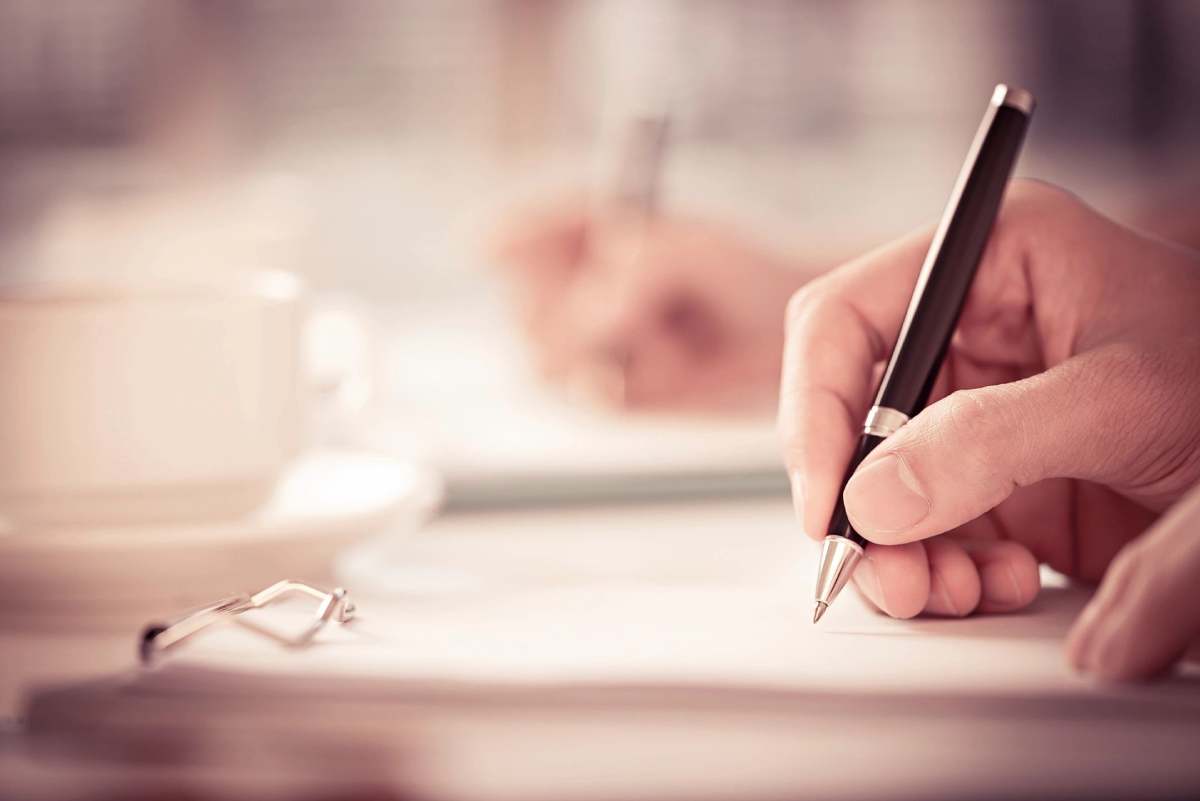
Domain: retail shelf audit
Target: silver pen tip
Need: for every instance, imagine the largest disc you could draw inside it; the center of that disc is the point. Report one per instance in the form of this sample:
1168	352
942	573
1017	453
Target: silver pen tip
839	555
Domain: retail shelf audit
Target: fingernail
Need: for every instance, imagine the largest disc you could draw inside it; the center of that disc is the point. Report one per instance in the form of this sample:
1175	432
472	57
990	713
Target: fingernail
1000	588
1079	640
797	480
884	497
1077	646
942	593
868	578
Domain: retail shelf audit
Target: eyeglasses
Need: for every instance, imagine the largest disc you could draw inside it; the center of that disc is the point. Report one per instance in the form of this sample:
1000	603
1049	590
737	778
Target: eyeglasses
336	606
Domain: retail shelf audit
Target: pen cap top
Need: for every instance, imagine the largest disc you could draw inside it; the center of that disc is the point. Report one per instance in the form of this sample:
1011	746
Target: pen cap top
1013	97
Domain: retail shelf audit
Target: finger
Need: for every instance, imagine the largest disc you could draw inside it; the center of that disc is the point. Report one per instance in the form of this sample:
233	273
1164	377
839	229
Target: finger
1079	638
542	251
1144	615
838	328
644	306
609	324
954	584
895	578
1008	574
963	455
1124	635
544	237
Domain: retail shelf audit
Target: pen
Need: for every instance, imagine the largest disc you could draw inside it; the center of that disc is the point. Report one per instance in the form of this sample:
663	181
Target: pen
633	196
933	312
640	164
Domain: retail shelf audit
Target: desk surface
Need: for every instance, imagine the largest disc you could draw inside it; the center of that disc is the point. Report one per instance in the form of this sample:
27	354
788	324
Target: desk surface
548	596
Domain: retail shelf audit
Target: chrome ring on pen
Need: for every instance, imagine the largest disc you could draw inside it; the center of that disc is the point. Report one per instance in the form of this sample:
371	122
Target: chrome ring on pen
883	421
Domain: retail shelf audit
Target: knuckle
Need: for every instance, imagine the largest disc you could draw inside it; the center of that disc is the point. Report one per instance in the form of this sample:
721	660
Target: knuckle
993	425
970	416
989	438
966	409
1031	210
1139	593
1029	196
1127	576
804	300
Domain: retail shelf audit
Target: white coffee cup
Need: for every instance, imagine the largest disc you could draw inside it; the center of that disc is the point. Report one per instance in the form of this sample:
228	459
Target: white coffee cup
134	402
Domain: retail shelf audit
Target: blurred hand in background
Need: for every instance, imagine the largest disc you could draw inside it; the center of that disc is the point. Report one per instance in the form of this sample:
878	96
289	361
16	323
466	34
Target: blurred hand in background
645	312
1064	423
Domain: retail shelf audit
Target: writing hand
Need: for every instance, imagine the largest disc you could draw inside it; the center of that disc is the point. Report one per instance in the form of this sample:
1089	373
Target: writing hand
1064	421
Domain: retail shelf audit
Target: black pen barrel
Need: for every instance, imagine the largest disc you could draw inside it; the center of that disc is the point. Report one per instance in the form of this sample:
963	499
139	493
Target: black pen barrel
954	255
944	281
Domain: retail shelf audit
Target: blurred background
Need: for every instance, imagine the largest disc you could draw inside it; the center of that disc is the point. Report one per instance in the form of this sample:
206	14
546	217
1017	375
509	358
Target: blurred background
832	124
441	176
372	146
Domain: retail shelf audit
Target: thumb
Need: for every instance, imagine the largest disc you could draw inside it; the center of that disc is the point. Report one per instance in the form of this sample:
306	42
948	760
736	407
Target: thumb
966	453
1144	615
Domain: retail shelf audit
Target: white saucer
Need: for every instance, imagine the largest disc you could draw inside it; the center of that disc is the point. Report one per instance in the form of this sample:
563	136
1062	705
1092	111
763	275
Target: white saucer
119	576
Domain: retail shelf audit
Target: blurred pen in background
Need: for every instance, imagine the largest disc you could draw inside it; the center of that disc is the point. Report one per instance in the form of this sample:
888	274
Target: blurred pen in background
630	206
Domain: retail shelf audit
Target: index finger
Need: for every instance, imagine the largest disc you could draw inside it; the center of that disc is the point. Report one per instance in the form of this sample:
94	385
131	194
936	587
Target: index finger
838	328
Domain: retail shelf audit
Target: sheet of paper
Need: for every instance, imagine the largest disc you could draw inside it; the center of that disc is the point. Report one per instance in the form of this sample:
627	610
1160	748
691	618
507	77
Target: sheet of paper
699	596
667	636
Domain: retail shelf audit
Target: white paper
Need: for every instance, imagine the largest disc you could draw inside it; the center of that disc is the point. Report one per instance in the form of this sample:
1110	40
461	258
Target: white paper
691	596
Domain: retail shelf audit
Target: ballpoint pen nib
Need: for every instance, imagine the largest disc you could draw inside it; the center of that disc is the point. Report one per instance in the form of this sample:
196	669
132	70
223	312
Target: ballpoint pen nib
820	610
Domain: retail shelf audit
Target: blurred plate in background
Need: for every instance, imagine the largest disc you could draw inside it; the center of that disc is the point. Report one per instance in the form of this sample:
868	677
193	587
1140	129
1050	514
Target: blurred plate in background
119	577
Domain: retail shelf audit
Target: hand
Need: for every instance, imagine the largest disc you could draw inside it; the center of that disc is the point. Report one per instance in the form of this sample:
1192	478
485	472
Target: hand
1145	613
1065	418
687	314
